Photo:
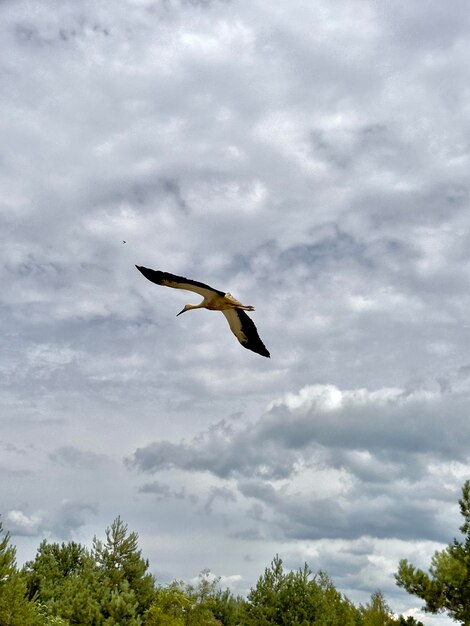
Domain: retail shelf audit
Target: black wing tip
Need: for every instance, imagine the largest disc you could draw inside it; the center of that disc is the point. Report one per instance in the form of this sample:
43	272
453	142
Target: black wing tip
153	275
253	341
259	351
163	278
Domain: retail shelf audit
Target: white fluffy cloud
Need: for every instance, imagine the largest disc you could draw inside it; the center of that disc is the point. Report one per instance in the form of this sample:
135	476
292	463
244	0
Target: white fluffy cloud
21	524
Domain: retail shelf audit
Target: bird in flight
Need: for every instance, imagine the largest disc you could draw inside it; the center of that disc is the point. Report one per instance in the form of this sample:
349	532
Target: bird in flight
240	324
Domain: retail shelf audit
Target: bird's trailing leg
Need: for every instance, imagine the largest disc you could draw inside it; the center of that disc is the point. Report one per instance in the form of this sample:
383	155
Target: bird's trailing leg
233	302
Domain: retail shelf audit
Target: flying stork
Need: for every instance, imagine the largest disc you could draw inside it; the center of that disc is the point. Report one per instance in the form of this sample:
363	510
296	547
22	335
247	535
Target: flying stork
240	324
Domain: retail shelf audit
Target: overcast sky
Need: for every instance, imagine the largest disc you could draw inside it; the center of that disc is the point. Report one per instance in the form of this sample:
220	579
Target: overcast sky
310	157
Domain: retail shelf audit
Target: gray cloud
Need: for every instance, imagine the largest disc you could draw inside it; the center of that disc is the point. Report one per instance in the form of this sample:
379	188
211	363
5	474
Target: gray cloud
21	524
72	456
64	522
216	453
387	422
362	443
162	491
223	494
71	516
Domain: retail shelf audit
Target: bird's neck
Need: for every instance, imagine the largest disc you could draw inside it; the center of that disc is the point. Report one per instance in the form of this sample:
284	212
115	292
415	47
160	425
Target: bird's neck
190	307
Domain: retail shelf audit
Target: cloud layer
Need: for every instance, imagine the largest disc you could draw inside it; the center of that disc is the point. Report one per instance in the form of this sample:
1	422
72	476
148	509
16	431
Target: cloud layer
313	160
331	463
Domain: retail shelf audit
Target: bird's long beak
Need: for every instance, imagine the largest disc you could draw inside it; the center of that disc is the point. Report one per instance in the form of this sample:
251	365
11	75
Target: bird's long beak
180	312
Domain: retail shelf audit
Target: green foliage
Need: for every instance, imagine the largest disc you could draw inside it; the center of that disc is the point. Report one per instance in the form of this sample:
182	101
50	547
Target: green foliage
68	585
169	606
7	557
66	581
296	599
408	621
47	619
15	607
202	601
377	612
122	606
447	586
227	608
121	563
180	605
336	608
107	586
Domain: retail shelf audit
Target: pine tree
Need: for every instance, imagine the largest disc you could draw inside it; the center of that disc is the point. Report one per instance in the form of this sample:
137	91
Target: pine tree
447	586
296	599
122	565
121	607
377	612
15	608
65	580
228	609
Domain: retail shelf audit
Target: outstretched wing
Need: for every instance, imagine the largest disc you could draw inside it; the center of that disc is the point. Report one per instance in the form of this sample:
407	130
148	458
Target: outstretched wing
178	282
245	331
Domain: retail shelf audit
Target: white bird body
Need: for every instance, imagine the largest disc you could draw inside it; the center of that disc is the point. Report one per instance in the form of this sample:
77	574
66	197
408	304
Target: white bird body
240	324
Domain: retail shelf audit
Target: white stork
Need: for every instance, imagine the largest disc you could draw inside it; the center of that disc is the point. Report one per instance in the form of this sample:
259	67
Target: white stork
240	324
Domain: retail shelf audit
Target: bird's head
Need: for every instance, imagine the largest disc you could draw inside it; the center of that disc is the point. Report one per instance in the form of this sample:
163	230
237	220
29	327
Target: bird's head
187	307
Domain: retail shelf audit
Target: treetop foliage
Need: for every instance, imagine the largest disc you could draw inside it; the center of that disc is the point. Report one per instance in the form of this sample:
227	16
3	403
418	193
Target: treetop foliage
446	588
68	584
